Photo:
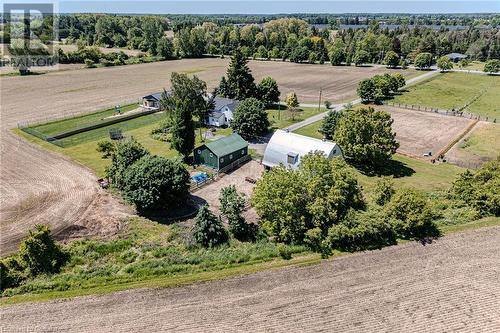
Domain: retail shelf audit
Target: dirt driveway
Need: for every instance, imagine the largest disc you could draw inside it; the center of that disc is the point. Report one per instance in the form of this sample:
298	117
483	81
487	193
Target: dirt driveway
210	193
448	286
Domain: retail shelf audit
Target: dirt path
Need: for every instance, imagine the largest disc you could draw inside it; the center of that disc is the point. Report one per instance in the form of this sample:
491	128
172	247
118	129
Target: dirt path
450	285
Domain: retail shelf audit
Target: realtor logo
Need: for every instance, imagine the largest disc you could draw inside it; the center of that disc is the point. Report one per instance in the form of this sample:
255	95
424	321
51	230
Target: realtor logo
29	33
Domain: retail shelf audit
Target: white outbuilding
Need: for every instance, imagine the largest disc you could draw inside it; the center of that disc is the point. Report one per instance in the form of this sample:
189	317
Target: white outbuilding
287	149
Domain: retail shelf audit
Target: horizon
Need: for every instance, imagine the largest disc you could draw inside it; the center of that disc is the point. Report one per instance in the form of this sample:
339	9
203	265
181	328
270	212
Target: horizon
274	7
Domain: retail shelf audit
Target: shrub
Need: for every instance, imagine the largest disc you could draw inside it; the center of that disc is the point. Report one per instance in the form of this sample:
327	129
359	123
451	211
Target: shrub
284	251
125	154
444	63
11	273
361	231
208	229
480	190
313	238
89	63
39	254
105	147
391	59
492	66
156	182
232	205
383	191
412	214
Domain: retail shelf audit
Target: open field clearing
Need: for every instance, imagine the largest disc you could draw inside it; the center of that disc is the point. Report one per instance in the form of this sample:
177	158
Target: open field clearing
453	91
450	284
480	145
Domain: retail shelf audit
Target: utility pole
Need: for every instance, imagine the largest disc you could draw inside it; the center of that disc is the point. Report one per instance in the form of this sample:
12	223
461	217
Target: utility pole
319	101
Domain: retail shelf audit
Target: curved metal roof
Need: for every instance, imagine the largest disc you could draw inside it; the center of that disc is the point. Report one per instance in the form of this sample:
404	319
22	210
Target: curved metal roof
283	144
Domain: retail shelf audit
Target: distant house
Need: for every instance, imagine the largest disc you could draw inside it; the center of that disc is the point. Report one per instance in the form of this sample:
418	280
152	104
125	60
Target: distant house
222	152
152	101
456	57
222	113
288	148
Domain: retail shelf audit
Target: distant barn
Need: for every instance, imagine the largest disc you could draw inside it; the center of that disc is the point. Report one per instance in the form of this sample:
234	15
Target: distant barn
220	153
288	148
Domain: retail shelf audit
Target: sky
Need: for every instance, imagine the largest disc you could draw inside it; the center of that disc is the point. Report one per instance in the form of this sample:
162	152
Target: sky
271	7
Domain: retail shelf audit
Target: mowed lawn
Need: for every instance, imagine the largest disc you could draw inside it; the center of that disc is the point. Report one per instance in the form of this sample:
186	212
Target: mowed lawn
454	90
281	118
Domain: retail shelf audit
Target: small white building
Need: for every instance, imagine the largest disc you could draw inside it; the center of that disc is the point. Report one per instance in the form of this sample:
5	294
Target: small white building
152	102
222	113
287	149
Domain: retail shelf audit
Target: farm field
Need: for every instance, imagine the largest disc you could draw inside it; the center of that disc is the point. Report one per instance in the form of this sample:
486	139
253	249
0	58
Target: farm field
480	145
453	91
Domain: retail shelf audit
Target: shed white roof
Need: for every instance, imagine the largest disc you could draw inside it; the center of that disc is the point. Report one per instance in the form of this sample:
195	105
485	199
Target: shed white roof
284	144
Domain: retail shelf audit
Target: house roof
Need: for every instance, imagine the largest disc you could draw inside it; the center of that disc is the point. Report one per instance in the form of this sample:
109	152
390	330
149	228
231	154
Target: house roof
155	96
227	145
456	55
283	143
221	102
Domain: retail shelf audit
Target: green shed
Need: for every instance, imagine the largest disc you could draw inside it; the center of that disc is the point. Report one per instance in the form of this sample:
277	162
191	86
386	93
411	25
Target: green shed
222	152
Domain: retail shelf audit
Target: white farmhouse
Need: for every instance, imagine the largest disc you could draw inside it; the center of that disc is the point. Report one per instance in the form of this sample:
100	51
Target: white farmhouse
287	149
222	113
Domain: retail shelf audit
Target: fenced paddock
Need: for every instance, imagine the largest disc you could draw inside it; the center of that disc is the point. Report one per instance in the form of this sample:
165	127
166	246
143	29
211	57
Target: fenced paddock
444	112
62	132
420	132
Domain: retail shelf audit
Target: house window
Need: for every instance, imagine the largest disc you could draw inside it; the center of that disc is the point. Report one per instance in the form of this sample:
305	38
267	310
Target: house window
291	158
243	152
211	155
222	159
335	151
199	152
231	156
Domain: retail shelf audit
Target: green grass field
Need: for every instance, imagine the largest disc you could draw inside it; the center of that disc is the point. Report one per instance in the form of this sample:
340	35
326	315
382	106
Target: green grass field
454	90
474	65
483	141
284	118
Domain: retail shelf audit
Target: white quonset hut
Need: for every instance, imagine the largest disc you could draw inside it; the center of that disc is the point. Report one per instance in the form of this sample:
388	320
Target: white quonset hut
287	149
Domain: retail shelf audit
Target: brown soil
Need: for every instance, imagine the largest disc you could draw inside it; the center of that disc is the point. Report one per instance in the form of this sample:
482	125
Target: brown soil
450	285
423	132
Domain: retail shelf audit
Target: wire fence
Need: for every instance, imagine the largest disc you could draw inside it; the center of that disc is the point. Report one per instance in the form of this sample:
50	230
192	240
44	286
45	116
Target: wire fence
453	113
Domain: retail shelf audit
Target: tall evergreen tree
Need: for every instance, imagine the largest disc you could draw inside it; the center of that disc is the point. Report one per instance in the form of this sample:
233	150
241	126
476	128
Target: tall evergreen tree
182	129
239	78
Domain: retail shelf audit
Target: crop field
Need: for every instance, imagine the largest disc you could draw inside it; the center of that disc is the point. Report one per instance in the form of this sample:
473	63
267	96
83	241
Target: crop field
454	90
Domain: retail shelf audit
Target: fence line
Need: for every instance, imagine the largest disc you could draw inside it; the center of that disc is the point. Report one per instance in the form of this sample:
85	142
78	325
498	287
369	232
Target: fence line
220	173
452	113
65	116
